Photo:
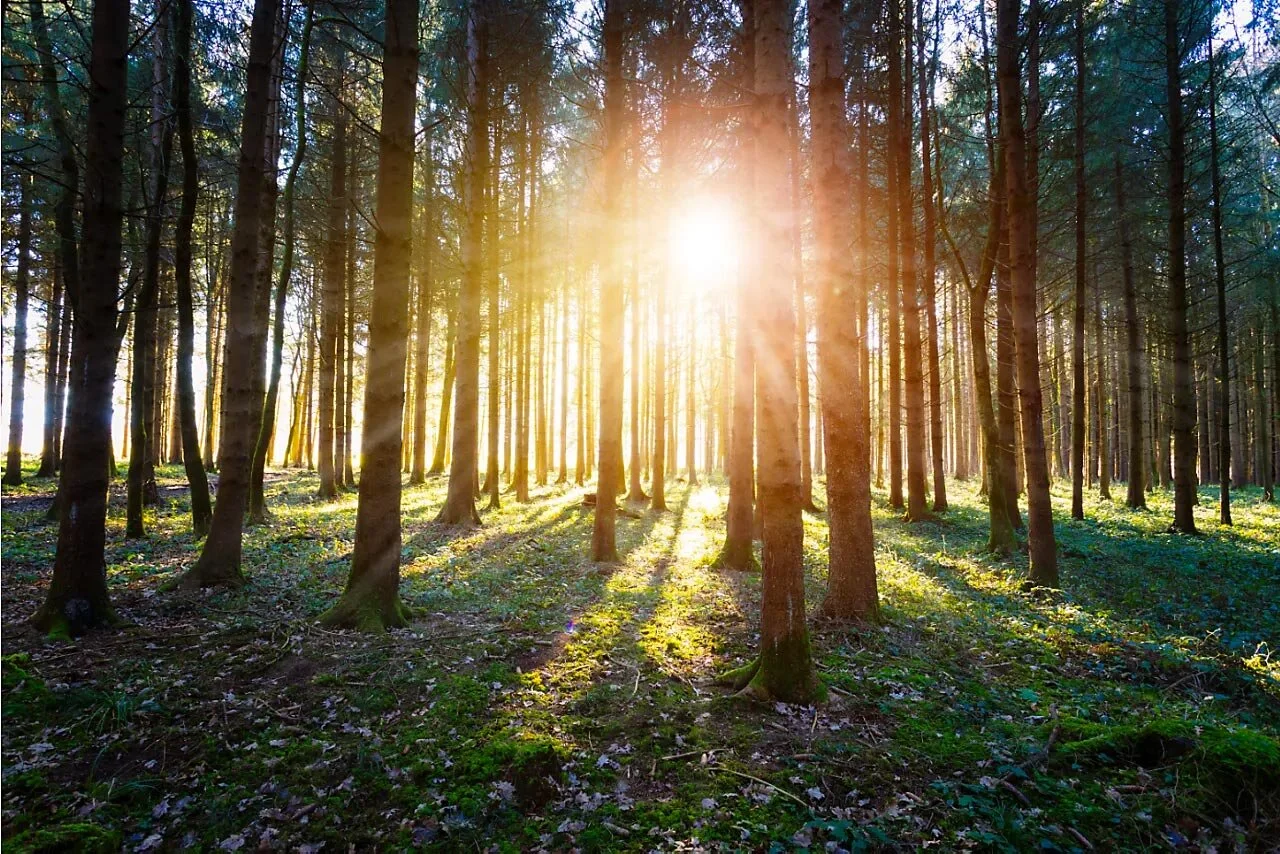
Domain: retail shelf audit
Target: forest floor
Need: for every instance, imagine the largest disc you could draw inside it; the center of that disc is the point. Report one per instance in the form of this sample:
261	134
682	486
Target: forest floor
544	702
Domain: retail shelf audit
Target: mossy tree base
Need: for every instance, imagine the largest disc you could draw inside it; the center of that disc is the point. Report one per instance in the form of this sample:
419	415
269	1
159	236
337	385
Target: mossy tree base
72	616
731	559
363	613
211	574
777	675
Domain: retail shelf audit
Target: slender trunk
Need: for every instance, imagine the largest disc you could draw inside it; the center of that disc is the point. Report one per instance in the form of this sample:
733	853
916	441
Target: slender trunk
893	280
201	507
1077	342
1184	404
446	396
913	366
1040	534
1220	283
219	561
930	278
143	423
53	341
422	337
603	540
331	293
77	598
460	503
21	288
371	600
493	284
785	669
851	585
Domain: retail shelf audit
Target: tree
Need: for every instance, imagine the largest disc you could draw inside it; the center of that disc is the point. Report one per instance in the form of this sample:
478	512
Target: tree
331	295
371	600
1077	341
142	452
929	238
1184	401
851	576
422	336
242	397
784	668
1220	286
77	599
460	503
22	295
603	540
201	508
1040	535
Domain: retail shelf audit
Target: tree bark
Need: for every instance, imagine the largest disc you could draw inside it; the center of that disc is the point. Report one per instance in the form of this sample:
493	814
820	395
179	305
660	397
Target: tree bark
22	295
1184	402
930	240
851	579
1077	342
603	539
1040	534
371	600
197	480
77	598
143	423
912	361
460	502
331	293
1220	284
219	562
493	285
738	552
422	337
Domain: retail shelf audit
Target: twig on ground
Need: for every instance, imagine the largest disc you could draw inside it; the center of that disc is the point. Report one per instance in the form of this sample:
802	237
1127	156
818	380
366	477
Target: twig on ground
777	789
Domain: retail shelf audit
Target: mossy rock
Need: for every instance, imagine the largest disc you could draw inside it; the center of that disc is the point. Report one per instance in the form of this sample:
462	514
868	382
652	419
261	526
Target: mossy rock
79	837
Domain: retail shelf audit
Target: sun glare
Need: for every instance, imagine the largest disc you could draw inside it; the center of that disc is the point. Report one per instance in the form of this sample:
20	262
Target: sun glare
703	241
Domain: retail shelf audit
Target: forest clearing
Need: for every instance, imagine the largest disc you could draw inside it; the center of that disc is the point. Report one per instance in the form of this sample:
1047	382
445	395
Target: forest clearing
542	701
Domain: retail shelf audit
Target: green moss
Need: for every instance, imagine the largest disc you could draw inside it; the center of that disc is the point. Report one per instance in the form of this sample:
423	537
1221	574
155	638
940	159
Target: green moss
70	837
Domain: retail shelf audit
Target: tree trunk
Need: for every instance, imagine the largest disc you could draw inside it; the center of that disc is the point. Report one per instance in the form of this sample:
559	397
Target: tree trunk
893	279
349	376
21	288
77	598
143	433
422	337
1104	421
53	340
331	292
603	540
930	240
802	308
371	600
851	580
1184	403
913	365
1220	283
1040	534
493	285
784	669
1077	341
446	395
201	508
219	562
460	503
